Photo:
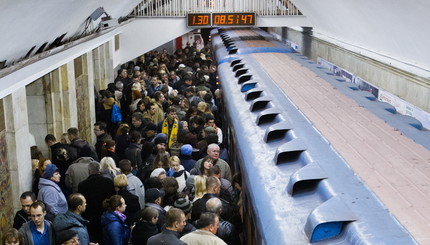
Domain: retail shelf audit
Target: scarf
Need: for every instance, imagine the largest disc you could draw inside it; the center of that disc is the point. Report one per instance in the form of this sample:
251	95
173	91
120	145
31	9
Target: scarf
121	215
172	137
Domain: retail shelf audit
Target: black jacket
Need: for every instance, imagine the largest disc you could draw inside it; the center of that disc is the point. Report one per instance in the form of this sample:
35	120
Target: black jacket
101	139
142	232
21	217
199	207
133	206
81	148
167	237
95	189
227	232
133	153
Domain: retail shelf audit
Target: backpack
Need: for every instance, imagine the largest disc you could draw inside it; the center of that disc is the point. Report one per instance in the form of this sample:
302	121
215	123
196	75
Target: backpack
116	116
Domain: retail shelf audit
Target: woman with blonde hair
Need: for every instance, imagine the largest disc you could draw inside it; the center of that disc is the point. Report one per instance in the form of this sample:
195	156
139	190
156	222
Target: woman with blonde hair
199	186
177	170
108	168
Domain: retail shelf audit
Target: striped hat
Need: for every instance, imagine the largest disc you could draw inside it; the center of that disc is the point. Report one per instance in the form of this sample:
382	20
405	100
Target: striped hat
183	204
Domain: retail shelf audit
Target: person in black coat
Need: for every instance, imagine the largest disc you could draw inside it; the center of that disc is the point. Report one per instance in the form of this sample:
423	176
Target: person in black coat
153	198
95	189
226	230
23	215
79	147
213	186
120	183
108	150
146	227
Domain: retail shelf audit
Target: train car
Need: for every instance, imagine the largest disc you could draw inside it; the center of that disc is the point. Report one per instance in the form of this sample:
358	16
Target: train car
297	188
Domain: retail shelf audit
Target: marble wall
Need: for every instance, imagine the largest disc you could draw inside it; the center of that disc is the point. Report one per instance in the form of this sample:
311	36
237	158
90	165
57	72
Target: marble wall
63	98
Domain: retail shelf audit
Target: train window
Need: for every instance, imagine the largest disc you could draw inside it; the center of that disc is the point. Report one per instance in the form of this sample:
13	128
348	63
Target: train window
244	78
288	156
275	135
266	118
248	86
253	95
327	230
259	105
241	72
305	179
305	186
235	62
232	51
238	66
230	47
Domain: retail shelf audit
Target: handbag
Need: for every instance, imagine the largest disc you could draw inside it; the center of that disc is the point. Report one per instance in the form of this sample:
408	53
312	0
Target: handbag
116	115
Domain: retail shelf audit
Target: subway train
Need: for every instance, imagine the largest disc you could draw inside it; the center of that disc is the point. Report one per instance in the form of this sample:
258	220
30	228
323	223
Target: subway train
298	187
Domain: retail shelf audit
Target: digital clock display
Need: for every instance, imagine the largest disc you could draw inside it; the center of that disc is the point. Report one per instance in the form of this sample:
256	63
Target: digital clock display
201	20
220	19
233	19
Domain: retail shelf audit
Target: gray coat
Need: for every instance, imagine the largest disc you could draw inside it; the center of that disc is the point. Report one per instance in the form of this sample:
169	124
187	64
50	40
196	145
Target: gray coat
77	172
51	194
28	236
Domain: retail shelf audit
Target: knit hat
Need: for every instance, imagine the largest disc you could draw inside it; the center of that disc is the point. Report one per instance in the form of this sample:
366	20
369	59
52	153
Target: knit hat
156	172
151	126
65	235
152	194
187	149
50	170
210	130
160	138
184	204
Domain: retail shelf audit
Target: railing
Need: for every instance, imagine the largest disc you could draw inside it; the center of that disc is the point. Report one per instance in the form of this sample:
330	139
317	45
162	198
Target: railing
179	8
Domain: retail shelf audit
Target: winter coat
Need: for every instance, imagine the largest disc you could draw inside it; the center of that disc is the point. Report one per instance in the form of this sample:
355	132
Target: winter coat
227	232
133	153
135	187
167	237
21	217
75	222
77	172
95	189
188	162
51	194
133	205
81	148
101	139
161	214
142	231
181	176
115	231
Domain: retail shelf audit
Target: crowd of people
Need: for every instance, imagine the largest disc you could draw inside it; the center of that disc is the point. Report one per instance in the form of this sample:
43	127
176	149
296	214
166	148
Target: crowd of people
159	175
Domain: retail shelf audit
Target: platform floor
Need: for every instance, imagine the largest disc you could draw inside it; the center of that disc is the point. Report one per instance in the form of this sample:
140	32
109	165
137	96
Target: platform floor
392	165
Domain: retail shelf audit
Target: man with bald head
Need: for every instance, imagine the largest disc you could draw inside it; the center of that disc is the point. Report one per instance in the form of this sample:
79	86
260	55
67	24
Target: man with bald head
213	152
226	230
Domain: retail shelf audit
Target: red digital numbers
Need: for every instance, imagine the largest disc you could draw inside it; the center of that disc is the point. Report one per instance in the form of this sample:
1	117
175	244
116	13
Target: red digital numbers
233	19
199	19
221	19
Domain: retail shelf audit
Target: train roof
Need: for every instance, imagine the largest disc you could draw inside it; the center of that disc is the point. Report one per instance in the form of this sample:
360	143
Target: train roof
319	166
